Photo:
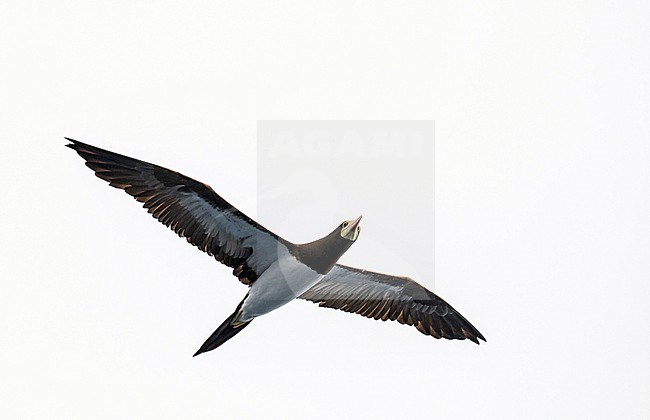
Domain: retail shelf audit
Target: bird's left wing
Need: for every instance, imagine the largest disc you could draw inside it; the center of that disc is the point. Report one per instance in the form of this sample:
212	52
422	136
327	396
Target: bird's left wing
381	296
191	209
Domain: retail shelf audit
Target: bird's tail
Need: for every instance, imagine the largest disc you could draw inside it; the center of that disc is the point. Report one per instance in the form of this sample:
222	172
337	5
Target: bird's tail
227	330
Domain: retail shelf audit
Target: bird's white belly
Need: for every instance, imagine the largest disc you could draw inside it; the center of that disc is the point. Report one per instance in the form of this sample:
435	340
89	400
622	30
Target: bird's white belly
282	282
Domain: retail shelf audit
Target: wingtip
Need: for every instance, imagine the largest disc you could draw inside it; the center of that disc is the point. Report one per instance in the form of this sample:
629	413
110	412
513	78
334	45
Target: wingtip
201	350
73	143
478	337
76	144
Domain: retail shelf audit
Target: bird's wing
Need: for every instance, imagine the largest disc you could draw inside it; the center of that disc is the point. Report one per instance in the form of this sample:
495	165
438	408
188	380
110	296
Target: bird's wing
192	210
384	297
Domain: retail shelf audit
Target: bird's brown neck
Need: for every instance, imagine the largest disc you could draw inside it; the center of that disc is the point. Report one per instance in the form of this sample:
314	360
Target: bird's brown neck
322	254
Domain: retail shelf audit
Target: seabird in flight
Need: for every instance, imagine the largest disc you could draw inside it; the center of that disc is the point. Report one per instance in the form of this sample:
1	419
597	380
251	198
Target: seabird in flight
276	270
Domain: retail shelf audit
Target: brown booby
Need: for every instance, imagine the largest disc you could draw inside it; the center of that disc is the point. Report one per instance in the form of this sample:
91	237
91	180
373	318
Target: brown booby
276	270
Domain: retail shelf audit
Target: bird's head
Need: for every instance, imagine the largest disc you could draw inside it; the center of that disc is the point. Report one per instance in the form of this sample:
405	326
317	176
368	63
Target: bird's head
322	254
350	229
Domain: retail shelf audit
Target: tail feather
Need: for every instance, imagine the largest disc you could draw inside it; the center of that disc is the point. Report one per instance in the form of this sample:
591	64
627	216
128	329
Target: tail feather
227	330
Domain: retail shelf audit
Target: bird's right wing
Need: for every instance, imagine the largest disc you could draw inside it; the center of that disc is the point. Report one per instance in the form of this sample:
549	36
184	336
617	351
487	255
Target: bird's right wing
381	296
191	209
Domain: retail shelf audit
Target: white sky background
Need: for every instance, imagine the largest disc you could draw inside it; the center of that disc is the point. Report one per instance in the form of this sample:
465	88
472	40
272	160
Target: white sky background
542	207
313	175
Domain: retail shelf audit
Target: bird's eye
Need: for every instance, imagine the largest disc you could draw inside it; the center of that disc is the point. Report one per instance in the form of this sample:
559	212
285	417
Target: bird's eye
345	224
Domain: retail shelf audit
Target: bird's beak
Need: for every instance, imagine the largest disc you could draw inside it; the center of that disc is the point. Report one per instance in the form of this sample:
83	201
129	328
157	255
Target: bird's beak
354	224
